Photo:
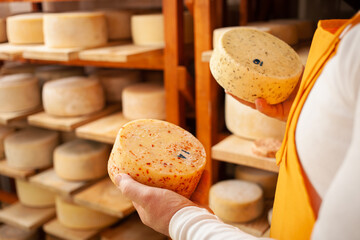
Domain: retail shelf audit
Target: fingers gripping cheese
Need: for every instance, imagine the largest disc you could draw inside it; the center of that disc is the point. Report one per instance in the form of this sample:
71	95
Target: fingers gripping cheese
252	64
158	153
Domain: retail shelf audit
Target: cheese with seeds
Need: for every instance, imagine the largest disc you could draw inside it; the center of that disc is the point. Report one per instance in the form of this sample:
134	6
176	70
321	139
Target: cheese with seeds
25	28
33	196
4	132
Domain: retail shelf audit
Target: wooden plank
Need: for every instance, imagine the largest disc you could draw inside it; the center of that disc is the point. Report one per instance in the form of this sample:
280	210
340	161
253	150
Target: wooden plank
8	232
104	129
11	172
105	197
205	56
45	120
237	150
55	54
7	118
25	217
13	52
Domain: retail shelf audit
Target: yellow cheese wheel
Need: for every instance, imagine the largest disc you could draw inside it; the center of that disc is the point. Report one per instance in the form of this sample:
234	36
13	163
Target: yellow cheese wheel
33	196
78	217
3	36
52	72
81	160
75	30
19	92
252	64
144	100
158	153
4	132
148	29
73	96
30	148
236	200
25	28
118	24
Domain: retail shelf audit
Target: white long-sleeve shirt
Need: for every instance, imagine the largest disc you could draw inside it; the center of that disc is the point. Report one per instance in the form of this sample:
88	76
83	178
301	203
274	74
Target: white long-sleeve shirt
328	144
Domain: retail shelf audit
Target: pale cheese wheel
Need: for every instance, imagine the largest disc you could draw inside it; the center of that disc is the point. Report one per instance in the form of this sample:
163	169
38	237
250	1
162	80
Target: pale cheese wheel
252	64
52	72
249	123
75	30
30	148
236	200
148	29
4	132
118	24
33	196
3	36
73	96
25	28
305	28
19	92
81	160
144	100
78	217
158	153
266	180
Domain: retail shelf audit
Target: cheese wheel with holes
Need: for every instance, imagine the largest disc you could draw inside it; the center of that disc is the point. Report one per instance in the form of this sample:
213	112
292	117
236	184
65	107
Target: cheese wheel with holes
252	64
52	72
79	217
33	196
3	37
30	148
25	28
158	153
4	132
75	30
249	123
148	29
19	92
118	24
236	200
81	160
144	100
266	180
73	96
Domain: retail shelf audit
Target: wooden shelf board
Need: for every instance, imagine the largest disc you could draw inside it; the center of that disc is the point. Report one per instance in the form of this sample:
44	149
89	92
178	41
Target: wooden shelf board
45	120
25	217
205	56
13	52
104	129
11	172
237	150
7	118
105	197
53	54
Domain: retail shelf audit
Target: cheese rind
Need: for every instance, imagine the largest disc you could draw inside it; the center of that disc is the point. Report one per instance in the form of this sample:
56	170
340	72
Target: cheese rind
25	28
34	196
158	153
148	29
4	132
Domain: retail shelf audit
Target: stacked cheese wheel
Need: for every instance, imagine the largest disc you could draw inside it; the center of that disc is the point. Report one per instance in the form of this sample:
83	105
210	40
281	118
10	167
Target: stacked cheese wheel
25	28
4	132
33	196
52	72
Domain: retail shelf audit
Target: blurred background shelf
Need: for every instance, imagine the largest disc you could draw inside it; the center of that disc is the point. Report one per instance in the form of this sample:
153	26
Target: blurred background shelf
11	172
7	118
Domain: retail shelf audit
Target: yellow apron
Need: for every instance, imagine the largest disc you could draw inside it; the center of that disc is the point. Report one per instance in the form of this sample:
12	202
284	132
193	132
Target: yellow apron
296	202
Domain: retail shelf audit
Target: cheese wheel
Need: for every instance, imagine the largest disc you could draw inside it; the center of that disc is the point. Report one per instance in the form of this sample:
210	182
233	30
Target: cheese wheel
78	217
33	196
30	148
305	28
236	200
75	30
3	36
148	29
73	96
4	132
118	24
249	123
252	64
266	180
144	100
19	92
266	147
81	160
158	153
25	28
52	72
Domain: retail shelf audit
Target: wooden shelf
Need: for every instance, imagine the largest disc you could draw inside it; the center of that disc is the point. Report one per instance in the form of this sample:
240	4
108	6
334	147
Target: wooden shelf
13	233
237	150
11	172
7	118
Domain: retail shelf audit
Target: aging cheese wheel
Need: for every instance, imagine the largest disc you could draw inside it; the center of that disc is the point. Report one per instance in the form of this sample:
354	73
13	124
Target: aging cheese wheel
267	180
158	153
19	92
73	96
4	132
118	24
78	217
52	72
25	28
148	29
33	196
144	100
305	28
30	148
3	36
81	160
249	123
252	64
236	200
75	30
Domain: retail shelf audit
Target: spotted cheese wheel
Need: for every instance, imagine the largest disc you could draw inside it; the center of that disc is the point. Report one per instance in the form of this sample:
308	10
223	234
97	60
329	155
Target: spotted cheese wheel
252	64
158	153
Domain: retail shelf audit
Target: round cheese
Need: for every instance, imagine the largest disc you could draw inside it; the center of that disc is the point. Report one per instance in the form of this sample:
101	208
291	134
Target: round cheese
20	92
249	123
252	64
73	96
3	37
144	100
75	30
25	28
236	200
81	160
305	28
158	153
78	217
148	29
33	196
266	180
4	132
52	72
118	24
30	148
